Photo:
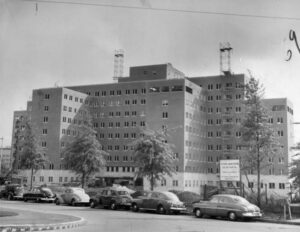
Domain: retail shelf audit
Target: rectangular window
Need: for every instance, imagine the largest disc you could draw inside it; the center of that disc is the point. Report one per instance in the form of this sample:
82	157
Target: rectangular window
188	89
45	119
154	89
165	89
271	185
281	186
176	88
41	179
50	178
47	96
46	108
165	115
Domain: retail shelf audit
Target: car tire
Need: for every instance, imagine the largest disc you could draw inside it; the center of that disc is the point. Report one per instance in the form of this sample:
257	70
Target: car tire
25	199
57	202
161	209
134	207
232	216
198	213
38	200
92	204
113	206
73	202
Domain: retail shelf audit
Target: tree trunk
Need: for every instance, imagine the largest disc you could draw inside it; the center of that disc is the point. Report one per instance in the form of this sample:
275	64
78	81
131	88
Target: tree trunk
82	180
31	178
152	182
258	177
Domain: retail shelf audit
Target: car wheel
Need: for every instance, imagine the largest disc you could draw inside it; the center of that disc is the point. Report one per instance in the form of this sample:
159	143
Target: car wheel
57	202
73	202
113	206
92	204
25	199
135	208
198	213
38	200
161	209
232	216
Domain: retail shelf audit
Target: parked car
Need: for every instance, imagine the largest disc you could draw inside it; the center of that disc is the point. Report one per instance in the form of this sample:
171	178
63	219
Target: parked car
73	196
188	198
162	202
230	206
12	192
113	198
39	194
139	193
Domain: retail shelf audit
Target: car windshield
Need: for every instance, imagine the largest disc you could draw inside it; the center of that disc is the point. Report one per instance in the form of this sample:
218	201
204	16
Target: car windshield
171	196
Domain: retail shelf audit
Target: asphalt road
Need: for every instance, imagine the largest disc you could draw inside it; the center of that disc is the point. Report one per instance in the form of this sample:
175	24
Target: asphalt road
126	221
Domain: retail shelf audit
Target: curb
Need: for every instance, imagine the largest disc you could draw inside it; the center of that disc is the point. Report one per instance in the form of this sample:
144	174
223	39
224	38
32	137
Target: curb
279	222
42	227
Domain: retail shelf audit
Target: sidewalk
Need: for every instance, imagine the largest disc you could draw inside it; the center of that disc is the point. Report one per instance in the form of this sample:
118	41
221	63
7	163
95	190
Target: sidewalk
33	221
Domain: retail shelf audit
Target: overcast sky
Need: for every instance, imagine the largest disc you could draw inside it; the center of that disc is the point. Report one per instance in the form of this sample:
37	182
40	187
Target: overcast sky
73	44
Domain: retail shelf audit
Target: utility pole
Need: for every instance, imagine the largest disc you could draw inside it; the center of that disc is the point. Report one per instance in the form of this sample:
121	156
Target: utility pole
1	153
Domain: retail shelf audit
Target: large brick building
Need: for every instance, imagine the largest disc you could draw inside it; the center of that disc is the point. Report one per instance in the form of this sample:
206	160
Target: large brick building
202	114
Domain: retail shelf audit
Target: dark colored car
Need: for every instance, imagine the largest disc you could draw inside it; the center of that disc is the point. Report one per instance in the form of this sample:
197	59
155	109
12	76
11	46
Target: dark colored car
230	206
162	202
39	194
113	198
12	192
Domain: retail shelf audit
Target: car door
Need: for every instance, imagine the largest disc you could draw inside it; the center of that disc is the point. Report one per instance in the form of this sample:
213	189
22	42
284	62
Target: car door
225	205
105	197
145	201
210	207
151	202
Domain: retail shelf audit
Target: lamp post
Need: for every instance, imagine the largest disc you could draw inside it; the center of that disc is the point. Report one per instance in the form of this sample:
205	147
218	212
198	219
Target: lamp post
1	153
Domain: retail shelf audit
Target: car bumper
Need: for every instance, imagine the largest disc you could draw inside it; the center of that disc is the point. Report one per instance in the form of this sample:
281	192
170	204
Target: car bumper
48	199
177	208
252	214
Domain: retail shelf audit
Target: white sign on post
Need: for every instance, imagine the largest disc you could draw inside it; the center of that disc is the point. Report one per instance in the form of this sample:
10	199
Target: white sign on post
230	170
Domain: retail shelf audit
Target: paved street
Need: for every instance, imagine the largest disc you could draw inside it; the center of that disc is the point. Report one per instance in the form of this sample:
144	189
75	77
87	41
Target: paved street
127	221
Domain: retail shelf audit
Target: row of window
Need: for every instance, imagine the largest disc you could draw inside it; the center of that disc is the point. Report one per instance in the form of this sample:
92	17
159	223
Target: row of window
227	97
228	85
152	89
60	179
70	97
121	169
271	185
118	92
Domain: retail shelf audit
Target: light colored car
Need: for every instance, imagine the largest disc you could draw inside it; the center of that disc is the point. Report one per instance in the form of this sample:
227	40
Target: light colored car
230	206
73	196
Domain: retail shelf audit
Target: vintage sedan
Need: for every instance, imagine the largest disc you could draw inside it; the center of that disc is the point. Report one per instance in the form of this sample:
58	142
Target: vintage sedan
73	196
230	206
113	198
39	194
12	192
161	202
